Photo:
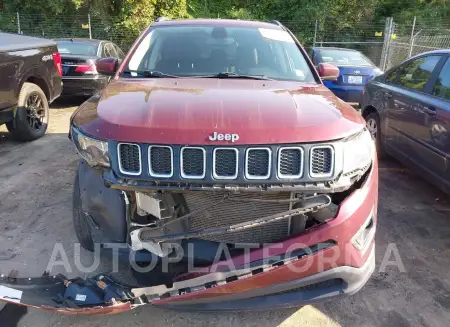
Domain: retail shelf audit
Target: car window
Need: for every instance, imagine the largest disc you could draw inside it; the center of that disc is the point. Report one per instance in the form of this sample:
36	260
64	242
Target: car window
103	54
209	50
391	77
109	50
442	87
119	52
342	57
77	48
415	75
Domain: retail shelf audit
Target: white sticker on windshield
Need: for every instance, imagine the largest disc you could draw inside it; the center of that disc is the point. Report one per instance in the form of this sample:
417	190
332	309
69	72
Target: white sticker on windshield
277	35
10	294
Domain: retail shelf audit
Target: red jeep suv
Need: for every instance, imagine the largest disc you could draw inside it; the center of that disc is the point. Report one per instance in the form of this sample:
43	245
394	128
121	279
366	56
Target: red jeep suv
217	154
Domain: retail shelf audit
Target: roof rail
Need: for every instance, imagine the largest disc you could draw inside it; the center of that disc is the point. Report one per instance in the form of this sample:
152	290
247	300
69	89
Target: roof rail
276	22
161	19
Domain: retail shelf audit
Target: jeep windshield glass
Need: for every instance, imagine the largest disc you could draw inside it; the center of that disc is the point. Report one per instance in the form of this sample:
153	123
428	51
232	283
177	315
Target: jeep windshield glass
220	52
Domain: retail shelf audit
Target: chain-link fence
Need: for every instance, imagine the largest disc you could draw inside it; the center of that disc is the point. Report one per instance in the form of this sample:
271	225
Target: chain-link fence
411	39
91	26
385	43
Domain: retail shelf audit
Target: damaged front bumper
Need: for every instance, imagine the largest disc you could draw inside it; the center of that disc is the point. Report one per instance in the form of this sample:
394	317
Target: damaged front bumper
329	260
101	295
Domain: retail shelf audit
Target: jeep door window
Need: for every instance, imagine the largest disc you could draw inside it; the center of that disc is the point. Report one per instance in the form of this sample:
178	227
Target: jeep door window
190	51
415	75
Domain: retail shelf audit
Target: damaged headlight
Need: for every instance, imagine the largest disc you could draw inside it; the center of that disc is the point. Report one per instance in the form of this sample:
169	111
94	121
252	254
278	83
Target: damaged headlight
358	152
95	152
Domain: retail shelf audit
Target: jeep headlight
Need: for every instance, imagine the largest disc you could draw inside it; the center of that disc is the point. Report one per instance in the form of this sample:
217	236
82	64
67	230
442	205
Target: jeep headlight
358	152
95	152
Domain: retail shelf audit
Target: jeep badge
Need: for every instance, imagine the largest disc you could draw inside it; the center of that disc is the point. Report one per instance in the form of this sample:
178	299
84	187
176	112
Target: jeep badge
224	137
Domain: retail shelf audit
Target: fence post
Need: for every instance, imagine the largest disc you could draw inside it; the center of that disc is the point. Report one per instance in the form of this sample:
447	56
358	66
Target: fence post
89	23
411	40
315	33
386	43
18	24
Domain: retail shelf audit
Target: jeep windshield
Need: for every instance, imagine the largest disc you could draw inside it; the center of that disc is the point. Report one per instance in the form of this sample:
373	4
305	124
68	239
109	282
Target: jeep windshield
218	52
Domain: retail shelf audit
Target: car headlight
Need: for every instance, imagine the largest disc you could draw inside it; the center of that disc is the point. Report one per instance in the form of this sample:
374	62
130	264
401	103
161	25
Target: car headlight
95	152
358	152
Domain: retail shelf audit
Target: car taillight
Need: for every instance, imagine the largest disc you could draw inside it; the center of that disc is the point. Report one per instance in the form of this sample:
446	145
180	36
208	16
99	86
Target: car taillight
57	61
86	69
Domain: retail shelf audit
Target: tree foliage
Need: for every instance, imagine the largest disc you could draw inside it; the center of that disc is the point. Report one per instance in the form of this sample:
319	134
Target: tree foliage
129	17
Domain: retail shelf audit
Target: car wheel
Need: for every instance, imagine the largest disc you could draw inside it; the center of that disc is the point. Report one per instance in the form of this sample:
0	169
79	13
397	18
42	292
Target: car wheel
31	118
373	126
80	221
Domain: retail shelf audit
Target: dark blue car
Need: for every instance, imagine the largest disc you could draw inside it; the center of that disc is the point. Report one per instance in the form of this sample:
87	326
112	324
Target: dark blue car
355	71
407	111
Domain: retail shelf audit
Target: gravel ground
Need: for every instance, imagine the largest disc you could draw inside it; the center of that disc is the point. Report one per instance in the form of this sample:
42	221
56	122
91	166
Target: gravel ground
35	212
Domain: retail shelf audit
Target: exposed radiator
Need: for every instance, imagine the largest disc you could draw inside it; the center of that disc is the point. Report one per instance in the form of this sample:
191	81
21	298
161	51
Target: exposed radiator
215	211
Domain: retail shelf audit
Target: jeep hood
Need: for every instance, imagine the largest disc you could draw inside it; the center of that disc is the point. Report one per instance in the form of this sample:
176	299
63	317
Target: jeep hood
187	111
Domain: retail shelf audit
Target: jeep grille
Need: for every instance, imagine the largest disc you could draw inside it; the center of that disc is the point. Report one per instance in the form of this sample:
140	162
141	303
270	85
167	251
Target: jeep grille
271	163
129	158
321	161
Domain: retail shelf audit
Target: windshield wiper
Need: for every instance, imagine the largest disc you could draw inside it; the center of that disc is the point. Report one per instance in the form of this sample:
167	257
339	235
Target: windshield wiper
150	73
236	75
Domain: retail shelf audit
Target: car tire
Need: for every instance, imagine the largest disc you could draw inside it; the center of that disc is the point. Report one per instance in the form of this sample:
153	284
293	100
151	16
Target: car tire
373	125
80	221
31	117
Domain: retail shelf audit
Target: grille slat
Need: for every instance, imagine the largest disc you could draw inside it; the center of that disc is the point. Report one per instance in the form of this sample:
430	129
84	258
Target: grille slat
161	161
321	164
258	163
193	162
290	162
225	163
129	158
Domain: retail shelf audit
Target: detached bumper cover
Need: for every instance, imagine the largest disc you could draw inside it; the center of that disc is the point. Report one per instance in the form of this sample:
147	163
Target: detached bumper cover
55	293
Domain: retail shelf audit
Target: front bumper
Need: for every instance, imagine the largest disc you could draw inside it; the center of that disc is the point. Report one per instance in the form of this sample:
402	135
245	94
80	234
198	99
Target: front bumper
332	271
336	282
83	85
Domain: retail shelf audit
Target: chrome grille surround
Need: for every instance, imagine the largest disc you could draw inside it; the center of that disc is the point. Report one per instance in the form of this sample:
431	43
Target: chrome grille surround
215	162
315	159
280	163
120	157
269	165
150	164
183	160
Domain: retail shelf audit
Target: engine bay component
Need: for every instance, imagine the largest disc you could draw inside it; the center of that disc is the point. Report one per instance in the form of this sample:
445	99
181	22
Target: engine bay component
231	218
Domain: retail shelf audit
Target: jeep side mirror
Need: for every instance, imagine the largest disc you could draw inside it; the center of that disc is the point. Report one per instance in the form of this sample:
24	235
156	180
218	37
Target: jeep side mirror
328	72
107	66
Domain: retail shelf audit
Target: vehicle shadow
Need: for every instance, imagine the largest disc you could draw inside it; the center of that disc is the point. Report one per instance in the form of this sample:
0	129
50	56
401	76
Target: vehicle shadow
67	102
11	315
